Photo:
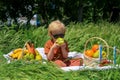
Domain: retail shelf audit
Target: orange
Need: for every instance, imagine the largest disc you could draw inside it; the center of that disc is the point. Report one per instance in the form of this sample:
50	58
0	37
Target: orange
95	47
89	52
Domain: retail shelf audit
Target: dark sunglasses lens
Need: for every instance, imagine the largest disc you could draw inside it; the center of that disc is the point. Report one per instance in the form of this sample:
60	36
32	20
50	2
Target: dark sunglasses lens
55	36
58	35
62	35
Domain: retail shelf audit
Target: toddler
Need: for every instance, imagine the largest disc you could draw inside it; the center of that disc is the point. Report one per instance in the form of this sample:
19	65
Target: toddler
56	52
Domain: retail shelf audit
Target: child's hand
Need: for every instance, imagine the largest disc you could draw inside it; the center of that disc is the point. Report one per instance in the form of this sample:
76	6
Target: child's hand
55	45
58	45
63	46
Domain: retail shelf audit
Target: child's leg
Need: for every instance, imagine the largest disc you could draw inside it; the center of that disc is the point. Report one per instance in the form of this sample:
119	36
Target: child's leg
60	63
76	62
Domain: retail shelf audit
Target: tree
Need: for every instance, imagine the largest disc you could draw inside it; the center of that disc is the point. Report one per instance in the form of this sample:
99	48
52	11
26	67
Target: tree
72	10
2	11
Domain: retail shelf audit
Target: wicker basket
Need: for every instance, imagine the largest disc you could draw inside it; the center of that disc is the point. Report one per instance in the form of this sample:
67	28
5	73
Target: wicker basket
90	61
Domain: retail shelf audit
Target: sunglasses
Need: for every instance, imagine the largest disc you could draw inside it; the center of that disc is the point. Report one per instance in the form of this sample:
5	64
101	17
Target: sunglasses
58	35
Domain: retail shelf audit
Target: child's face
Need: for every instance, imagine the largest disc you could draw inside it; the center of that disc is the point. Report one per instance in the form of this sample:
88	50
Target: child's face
57	34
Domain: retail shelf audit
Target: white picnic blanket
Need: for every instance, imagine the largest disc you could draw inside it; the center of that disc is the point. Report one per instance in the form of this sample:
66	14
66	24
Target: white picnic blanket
70	68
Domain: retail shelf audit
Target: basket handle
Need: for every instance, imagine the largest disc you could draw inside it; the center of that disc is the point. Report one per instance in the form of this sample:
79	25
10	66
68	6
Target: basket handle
106	44
24	47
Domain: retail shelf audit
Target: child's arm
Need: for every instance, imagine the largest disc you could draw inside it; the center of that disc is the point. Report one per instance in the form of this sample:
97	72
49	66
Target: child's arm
50	54
64	50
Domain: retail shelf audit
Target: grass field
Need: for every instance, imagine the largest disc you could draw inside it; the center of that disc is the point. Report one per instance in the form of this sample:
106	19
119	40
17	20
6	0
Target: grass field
77	34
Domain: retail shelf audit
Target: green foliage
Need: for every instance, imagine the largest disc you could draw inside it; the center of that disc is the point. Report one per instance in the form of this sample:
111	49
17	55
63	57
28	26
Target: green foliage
77	34
21	70
77	10
16	39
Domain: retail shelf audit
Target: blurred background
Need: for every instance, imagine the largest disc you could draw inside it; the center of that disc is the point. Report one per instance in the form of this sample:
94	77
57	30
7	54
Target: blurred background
40	12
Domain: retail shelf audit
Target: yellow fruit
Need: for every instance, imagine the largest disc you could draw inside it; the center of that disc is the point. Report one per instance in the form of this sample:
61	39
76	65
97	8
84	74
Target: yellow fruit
60	41
17	50
20	55
25	51
96	54
15	56
31	56
104	54
37	53
11	55
38	57
28	56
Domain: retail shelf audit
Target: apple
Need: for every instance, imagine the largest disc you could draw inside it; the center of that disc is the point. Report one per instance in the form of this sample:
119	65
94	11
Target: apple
96	54
60	41
29	56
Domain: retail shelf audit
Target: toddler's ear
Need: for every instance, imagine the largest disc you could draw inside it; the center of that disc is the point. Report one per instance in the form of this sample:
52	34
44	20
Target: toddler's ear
49	34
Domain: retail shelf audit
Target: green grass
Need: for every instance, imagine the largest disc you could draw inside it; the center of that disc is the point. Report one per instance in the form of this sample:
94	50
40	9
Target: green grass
76	35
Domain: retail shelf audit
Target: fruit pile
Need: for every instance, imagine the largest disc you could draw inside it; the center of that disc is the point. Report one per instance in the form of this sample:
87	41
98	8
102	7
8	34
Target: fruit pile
29	53
94	52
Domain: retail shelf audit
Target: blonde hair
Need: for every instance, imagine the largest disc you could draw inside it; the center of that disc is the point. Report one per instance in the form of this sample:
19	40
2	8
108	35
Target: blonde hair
56	25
